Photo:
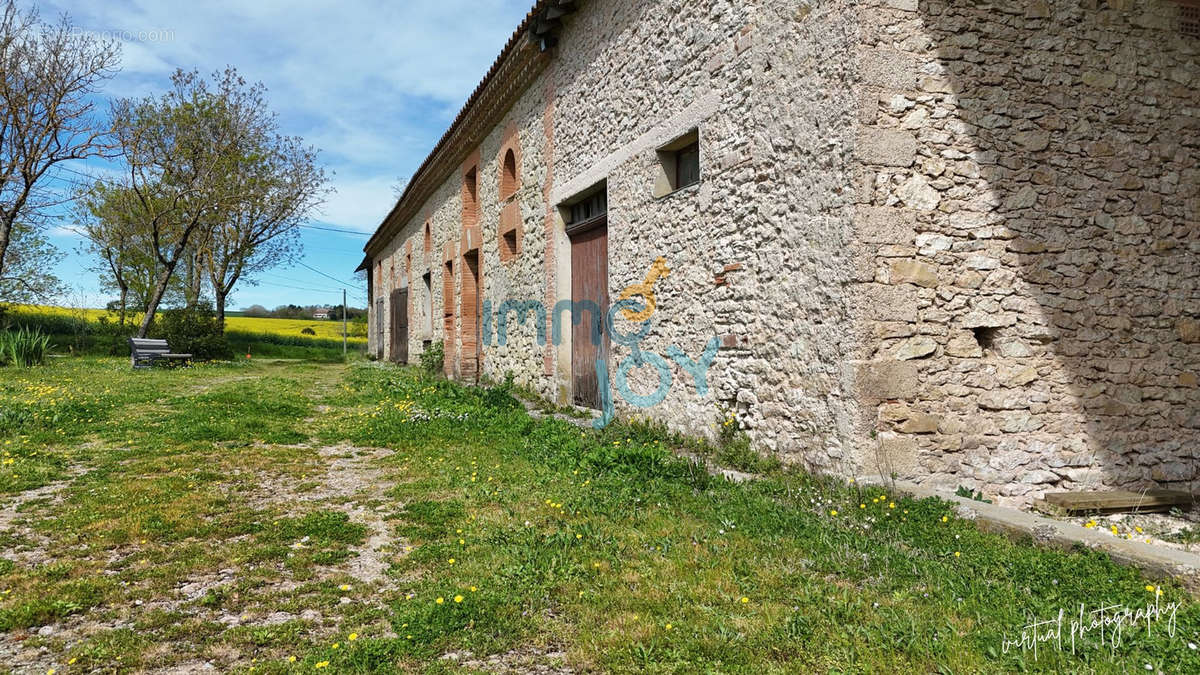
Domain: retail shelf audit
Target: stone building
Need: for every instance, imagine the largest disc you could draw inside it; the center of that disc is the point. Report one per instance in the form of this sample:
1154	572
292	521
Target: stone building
944	240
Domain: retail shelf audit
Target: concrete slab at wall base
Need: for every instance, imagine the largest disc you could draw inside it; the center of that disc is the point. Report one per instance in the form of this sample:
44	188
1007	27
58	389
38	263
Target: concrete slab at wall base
1157	562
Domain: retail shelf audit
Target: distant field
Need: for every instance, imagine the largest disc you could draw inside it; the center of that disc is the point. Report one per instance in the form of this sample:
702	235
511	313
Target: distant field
328	330
323	329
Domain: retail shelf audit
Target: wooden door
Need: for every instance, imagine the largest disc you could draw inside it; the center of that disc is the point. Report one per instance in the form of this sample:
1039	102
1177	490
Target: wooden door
470	316
589	282
379	328
400	325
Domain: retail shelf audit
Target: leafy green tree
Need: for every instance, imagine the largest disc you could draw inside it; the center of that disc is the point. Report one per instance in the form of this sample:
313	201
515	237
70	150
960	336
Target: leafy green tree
180	150
280	184
29	264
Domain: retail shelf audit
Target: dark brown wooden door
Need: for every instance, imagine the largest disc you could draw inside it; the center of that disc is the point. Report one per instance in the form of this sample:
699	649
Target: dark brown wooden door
470	316
589	283
400	325
379	328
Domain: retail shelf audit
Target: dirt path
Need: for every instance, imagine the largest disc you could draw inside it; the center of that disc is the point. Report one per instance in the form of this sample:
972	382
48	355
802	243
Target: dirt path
351	480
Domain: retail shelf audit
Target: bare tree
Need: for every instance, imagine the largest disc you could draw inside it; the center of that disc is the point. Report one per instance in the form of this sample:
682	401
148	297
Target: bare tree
281	184
182	150
48	75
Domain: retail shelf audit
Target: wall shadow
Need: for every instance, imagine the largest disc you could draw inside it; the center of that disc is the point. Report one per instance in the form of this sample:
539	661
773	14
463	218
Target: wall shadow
1085	122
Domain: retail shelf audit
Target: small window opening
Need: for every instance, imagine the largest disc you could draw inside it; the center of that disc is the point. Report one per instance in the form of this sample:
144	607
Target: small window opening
1189	18
679	164
985	336
509	241
589	208
508	180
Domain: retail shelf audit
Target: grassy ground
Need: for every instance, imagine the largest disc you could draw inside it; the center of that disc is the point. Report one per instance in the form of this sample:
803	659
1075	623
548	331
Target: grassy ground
293	517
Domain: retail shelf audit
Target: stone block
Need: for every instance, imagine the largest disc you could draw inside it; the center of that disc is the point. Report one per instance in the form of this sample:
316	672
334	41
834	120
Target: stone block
977	319
919	423
915	348
885	225
880	302
1003	400
1189	330
913	272
898	455
887	147
888	68
916	193
876	381
964	346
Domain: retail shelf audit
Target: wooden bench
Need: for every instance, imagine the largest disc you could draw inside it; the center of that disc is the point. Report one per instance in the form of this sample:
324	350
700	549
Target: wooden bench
145	352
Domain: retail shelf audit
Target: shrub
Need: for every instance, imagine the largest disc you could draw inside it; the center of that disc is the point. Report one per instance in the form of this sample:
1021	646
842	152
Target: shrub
23	347
308	331
193	331
433	358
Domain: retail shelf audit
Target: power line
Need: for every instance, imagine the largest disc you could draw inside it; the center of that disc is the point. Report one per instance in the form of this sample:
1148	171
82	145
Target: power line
310	267
299	288
336	229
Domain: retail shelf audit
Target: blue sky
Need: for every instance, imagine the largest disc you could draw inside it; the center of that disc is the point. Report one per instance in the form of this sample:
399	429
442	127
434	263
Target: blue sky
372	85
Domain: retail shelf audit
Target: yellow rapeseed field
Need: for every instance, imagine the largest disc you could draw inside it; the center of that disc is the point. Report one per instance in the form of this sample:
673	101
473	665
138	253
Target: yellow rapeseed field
323	329
328	330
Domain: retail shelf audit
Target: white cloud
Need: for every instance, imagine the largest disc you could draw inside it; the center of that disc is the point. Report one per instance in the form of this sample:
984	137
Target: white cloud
372	85
359	204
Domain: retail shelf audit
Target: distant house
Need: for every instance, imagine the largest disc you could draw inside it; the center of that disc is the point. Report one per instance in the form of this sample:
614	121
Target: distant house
321	314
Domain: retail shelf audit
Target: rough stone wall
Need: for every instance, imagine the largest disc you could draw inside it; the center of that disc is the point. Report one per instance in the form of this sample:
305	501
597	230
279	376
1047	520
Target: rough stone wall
623	84
947	241
795	386
633	77
1028	229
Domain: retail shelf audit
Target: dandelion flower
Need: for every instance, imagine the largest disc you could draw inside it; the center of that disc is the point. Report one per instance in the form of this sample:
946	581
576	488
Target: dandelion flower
458	598
440	600
353	637
833	512
322	664
957	554
745	600
945	518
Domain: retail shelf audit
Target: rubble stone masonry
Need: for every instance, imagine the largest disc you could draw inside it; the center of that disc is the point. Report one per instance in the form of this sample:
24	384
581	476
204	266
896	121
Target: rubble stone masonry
948	241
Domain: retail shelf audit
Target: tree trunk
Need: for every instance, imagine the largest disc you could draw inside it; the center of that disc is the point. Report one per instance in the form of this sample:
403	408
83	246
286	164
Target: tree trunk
160	289
5	231
124	302
220	311
194	281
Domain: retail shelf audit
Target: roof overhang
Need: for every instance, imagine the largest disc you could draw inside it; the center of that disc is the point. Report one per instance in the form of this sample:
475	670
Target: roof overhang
522	60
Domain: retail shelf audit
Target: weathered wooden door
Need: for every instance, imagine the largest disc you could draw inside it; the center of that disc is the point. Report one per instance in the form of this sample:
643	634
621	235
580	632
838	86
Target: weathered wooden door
470	316
379	328
400	325
589	284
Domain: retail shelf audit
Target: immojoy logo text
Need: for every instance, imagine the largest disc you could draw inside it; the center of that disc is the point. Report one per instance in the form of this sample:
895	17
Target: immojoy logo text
600	321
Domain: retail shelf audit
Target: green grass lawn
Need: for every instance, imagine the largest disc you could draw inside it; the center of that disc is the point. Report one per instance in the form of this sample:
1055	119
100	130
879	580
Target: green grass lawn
295	517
